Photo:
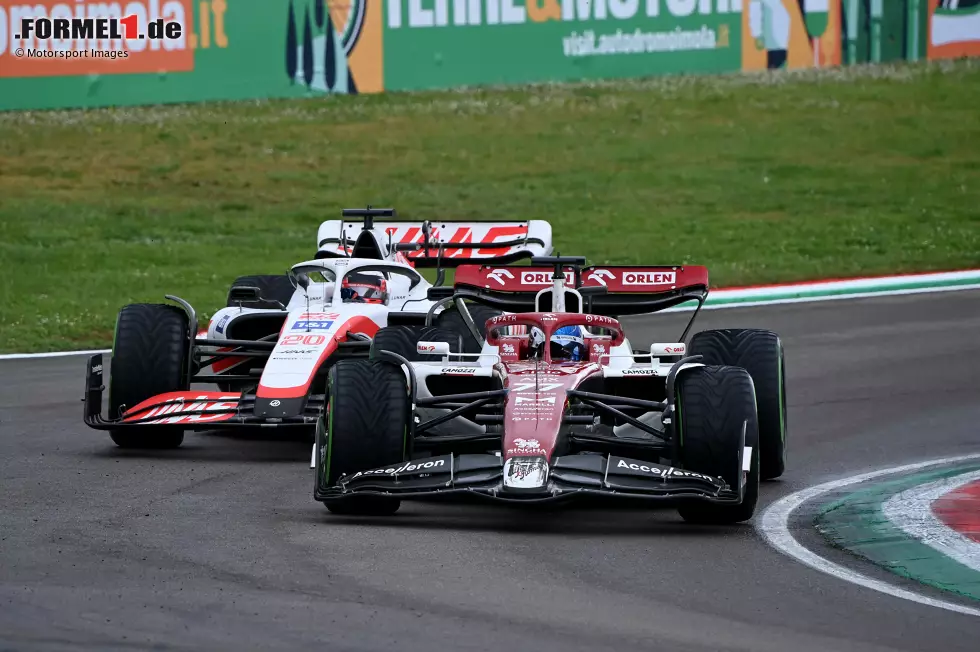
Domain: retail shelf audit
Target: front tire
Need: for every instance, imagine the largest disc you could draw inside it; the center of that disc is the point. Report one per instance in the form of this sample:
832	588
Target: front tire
365	426
713	405
149	357
760	352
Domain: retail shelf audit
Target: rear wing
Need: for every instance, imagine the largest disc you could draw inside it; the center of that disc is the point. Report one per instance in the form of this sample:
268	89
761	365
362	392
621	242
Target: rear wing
371	233
610	290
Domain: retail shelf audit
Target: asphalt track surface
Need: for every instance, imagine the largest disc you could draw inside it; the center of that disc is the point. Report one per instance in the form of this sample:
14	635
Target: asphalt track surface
219	545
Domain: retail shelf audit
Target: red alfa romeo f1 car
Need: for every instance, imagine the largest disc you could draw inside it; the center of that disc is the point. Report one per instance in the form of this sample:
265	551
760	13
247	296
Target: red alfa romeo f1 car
566	408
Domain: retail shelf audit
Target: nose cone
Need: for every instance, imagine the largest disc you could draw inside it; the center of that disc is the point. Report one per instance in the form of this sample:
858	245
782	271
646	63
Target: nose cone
525	474
533	412
532	420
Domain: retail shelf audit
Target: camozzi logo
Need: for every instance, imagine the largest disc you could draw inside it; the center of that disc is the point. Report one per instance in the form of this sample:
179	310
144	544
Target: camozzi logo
443	13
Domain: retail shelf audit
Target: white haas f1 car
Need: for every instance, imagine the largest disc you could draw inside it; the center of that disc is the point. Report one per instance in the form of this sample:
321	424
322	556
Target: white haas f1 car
529	418
270	350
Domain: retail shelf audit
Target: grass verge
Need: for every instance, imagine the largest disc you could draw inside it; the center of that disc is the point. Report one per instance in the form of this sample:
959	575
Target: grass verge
764	178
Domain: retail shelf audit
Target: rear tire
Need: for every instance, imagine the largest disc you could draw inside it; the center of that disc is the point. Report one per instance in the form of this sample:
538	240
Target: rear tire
760	352
149	357
713	403
272	287
452	320
365	426
403	340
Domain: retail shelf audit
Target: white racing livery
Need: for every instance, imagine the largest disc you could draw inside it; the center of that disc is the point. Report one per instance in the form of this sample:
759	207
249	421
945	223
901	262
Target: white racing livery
317	318
270	349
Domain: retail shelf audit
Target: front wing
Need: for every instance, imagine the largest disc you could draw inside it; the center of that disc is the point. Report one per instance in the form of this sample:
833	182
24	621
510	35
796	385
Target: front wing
566	476
191	409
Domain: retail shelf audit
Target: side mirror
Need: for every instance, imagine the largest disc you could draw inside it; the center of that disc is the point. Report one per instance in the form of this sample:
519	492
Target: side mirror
440	292
303	281
244	294
667	348
432	348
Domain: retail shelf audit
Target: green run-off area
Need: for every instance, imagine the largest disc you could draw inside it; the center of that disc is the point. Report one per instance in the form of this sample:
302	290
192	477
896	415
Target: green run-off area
776	177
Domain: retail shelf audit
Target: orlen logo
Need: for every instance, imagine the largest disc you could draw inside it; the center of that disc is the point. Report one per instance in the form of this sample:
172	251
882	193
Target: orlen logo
649	278
600	276
543	278
498	275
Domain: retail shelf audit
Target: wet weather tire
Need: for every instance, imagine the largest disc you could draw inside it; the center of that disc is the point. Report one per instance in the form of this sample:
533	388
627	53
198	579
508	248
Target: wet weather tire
272	288
452	320
403	341
760	352
365	427
713	403
149	357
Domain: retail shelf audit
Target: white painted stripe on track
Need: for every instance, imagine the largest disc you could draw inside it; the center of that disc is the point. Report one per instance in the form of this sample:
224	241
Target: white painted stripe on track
863	283
815	299
774	527
51	354
911	512
730	297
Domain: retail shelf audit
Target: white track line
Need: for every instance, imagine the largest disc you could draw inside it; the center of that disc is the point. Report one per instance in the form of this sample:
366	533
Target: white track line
774	527
911	512
858	289
51	354
815	299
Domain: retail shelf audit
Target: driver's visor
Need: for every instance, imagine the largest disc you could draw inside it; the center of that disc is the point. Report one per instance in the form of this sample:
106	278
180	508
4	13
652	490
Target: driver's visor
366	291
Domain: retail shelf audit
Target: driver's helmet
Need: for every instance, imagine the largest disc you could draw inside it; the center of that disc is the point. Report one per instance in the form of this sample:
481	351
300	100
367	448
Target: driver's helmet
364	288
536	342
568	343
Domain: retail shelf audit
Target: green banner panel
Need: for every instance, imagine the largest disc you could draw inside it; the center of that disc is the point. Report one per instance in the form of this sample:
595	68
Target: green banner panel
443	43
242	49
